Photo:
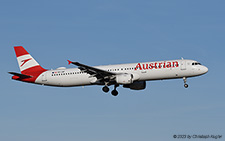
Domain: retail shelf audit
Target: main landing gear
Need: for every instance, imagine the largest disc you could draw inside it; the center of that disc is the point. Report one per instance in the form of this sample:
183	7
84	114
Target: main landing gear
185	82
114	92
105	89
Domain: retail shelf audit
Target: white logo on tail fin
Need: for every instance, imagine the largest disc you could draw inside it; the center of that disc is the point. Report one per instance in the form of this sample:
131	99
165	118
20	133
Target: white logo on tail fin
26	62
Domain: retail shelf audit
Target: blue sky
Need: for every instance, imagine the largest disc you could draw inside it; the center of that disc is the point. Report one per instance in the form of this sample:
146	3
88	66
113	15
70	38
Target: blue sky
110	32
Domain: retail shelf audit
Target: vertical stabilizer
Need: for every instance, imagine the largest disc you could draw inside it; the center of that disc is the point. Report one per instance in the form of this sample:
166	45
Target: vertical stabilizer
27	64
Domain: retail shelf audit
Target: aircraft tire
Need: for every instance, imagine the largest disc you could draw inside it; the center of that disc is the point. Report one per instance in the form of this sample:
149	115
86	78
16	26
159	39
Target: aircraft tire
114	92
105	89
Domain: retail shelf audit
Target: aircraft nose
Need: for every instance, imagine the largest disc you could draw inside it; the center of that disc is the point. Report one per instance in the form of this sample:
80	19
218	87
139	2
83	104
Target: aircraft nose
204	69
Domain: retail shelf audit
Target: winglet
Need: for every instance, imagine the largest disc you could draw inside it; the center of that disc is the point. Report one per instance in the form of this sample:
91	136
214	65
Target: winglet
69	62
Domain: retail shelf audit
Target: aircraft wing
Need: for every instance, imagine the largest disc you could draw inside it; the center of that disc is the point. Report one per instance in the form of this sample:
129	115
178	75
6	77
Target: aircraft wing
99	73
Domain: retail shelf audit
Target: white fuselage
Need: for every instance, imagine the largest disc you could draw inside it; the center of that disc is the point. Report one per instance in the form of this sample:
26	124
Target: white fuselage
146	71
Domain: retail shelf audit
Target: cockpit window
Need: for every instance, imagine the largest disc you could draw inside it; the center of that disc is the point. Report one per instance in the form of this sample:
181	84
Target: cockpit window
196	63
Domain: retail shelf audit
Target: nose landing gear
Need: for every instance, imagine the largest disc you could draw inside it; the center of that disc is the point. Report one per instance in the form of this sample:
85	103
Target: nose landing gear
185	82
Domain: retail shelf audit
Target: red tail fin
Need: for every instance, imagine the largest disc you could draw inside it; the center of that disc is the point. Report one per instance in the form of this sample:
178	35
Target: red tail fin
27	64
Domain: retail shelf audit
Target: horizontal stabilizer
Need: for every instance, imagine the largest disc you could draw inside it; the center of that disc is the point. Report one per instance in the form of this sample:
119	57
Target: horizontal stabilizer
22	76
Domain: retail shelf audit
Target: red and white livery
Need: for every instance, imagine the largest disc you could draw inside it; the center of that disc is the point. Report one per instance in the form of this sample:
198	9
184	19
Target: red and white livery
133	75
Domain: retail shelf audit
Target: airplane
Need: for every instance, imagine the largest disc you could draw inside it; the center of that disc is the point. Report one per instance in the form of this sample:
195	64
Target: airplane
132	75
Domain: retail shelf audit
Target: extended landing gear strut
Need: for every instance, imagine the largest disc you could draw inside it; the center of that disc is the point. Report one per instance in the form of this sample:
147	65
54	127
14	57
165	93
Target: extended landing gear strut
185	82
114	92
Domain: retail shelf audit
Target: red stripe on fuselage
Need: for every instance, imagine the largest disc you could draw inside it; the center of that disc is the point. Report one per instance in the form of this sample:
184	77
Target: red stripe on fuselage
33	71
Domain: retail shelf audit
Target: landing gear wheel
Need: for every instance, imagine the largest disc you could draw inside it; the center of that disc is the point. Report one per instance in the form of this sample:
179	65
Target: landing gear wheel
114	92
185	81
105	89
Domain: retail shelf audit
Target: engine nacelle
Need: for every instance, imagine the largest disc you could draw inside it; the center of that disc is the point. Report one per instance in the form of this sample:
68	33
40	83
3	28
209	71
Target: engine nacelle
124	78
137	85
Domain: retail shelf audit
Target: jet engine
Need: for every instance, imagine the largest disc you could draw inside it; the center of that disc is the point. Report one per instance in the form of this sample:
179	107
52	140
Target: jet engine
124	78
137	85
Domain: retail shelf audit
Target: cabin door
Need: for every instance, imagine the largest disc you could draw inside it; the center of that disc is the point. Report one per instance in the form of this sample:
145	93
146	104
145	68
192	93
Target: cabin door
44	77
183	65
